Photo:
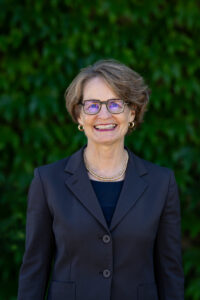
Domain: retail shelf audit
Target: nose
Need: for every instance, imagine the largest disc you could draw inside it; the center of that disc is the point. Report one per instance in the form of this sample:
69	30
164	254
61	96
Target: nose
104	113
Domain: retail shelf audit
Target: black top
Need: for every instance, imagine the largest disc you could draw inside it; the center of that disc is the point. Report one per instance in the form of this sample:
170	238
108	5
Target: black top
107	194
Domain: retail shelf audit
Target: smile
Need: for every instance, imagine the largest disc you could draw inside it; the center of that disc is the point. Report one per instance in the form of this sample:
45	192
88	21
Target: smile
105	127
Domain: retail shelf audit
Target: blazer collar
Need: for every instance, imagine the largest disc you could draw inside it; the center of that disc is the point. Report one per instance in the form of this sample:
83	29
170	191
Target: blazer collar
134	186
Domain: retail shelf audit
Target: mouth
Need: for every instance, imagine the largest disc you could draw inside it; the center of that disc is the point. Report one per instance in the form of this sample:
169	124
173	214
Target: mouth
105	127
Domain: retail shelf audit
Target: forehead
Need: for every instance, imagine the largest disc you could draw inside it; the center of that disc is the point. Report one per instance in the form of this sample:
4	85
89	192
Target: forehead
97	88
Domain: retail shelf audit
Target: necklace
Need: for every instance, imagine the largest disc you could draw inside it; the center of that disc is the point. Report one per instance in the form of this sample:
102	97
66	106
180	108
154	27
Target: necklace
102	178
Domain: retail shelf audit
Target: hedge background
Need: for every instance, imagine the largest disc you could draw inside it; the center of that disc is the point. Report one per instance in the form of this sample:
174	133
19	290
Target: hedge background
43	44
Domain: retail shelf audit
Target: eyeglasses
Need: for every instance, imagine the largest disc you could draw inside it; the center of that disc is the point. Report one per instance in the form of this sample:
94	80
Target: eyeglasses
93	107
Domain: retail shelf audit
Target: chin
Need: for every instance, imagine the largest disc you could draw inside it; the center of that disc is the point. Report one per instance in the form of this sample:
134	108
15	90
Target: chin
108	141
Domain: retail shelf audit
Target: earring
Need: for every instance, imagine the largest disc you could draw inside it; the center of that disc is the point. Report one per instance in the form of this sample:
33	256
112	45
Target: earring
80	127
131	124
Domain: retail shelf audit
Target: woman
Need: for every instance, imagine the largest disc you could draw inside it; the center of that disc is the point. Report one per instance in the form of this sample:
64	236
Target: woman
107	219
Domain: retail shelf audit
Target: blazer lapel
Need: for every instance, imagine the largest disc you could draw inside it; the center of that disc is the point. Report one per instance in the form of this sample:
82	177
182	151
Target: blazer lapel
133	188
78	182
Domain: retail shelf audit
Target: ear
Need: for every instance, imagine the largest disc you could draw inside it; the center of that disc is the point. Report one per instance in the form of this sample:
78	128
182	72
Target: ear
80	119
132	115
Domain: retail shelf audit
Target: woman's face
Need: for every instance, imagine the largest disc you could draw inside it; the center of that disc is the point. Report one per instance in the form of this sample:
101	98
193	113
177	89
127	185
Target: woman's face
97	89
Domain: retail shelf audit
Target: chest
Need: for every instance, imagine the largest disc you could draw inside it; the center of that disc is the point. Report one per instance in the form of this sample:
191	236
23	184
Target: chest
76	221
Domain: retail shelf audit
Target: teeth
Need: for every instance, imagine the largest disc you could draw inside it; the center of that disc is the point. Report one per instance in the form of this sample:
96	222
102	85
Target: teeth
109	126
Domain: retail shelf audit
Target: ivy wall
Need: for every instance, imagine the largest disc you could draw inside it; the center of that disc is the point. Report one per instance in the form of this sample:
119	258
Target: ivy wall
43	44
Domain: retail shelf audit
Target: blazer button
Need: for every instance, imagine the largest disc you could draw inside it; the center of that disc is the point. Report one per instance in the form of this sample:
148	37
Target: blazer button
106	238
106	273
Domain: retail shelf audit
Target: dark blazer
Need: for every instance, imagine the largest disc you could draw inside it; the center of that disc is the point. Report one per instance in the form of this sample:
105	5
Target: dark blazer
137	258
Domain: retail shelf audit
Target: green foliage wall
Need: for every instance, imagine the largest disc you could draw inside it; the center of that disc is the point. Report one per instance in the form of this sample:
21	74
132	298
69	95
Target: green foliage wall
43	44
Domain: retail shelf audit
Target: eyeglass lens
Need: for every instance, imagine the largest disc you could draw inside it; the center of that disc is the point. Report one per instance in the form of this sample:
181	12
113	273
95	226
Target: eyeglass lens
93	106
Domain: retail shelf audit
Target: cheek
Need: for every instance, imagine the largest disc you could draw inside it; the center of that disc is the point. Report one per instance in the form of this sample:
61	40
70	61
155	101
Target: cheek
128	118
82	119
87	120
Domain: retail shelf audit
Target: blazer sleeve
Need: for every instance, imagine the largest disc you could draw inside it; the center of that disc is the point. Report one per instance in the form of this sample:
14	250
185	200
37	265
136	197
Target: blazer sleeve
168	258
35	268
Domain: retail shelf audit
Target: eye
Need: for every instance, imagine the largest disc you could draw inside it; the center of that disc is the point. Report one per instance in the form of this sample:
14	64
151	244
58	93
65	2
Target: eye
115	105
91	106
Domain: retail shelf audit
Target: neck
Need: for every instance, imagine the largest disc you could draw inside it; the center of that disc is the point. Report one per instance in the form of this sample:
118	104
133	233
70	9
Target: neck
105	160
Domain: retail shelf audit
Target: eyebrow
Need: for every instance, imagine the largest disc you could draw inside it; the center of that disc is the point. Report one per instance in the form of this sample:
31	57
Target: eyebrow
100	100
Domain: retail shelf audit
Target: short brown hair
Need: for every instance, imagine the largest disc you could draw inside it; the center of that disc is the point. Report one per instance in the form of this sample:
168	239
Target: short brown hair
125	83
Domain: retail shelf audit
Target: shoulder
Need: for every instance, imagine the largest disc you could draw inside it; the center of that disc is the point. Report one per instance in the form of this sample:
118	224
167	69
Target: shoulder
159	177
151	169
154	167
52	167
57	168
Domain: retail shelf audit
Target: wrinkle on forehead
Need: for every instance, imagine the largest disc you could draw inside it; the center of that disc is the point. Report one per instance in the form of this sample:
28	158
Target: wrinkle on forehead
98	88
